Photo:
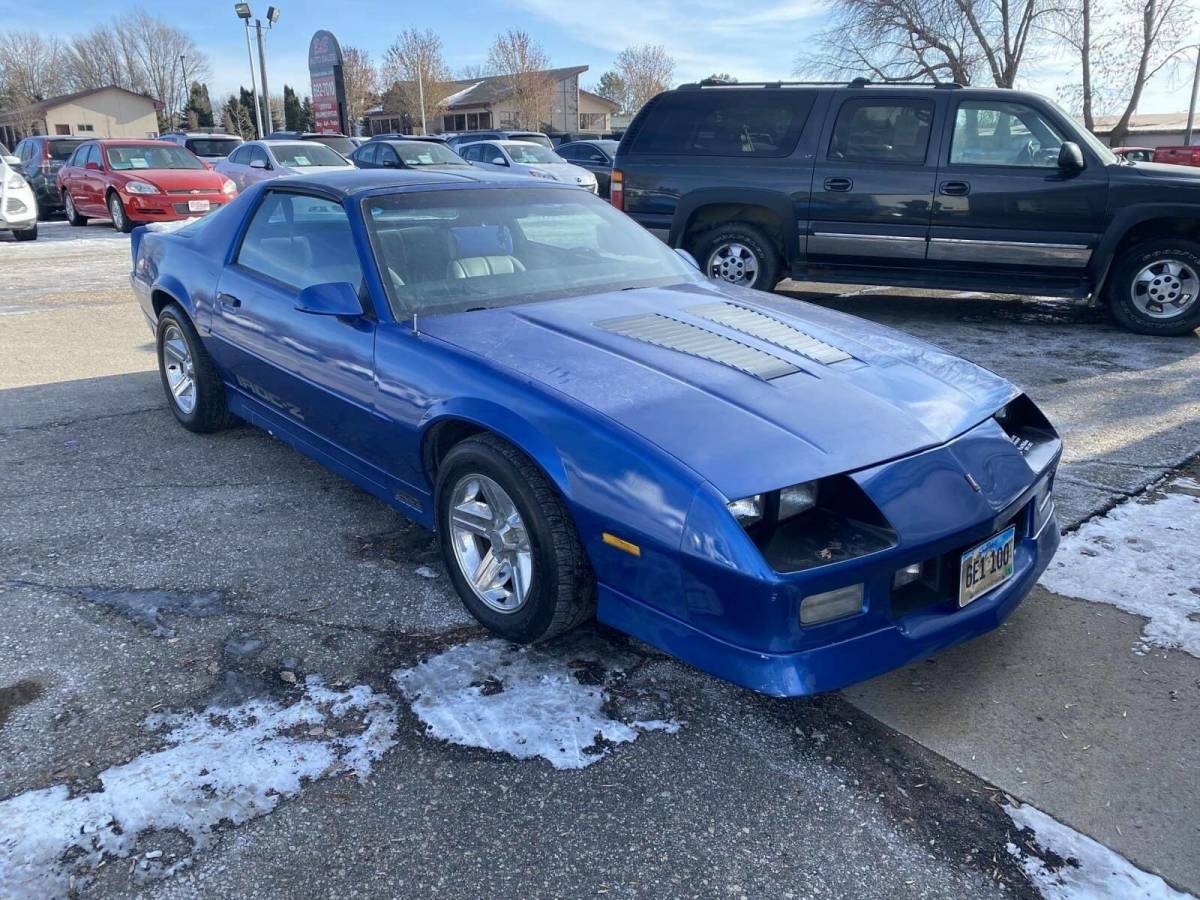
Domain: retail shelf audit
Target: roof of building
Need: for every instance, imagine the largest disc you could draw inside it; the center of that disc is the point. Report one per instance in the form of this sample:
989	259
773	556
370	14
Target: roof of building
1144	122
490	89
51	102
597	98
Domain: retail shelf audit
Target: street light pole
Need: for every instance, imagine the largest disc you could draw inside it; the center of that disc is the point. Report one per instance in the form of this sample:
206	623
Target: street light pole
253	87
262	71
1187	135
421	94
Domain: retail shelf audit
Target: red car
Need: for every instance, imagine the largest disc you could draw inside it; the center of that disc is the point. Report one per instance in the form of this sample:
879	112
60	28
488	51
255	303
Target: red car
1178	156
134	182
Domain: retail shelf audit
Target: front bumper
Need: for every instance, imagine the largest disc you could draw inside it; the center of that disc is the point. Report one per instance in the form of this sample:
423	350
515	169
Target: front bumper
18	211
743	625
169	207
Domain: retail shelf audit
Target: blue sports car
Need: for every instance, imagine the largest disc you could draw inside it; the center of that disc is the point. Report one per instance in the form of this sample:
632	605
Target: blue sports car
784	496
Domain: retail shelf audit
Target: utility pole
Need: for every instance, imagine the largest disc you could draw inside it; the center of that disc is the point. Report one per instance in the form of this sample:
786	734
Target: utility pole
421	95
253	80
183	122
262	71
1187	135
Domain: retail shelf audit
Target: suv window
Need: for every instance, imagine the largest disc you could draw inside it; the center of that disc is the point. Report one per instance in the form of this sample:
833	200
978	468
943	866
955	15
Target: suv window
876	131
997	133
722	122
300	241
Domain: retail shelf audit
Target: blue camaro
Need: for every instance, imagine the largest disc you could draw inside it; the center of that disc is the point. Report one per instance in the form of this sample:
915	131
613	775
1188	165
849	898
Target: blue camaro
784	496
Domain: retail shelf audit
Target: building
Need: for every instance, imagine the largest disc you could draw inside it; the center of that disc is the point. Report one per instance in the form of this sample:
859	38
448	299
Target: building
490	102
1149	130
107	112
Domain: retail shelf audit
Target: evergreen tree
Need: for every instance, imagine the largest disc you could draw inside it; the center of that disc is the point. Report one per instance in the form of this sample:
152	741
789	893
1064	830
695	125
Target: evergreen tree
293	112
308	119
199	109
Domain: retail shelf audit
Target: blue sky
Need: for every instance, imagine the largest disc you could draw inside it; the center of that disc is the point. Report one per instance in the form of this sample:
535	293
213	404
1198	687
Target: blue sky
747	38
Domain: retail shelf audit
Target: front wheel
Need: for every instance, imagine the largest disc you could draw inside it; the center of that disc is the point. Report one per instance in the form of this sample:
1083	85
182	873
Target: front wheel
1155	287
509	543
28	234
116	210
738	253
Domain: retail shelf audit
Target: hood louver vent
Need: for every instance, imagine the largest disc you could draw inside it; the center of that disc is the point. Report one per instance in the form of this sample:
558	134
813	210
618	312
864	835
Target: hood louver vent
767	328
663	331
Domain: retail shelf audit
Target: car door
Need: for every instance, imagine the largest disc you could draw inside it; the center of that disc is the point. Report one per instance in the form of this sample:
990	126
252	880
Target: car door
313	372
364	157
260	166
92	184
595	161
1002	200
489	153
873	181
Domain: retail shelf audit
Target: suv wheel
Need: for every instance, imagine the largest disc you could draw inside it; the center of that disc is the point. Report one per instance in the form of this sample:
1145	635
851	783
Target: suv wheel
738	253
1155	287
509	543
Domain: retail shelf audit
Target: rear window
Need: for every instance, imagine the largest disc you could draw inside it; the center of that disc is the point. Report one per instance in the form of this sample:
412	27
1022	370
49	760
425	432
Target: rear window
534	137
720	122
61	150
342	145
212	146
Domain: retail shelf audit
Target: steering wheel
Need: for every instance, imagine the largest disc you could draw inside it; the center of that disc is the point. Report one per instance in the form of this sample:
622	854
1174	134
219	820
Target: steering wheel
1027	154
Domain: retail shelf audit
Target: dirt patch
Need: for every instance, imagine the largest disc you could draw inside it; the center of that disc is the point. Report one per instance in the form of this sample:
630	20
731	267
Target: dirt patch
410	545
20	694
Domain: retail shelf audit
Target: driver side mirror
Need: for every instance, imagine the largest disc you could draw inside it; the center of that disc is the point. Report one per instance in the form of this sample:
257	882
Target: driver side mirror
334	298
258	164
499	161
1070	157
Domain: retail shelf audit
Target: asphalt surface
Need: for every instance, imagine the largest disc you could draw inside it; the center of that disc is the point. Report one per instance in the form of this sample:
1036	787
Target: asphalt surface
888	791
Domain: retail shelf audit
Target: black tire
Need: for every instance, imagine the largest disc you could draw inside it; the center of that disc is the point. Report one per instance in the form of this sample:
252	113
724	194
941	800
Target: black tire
1121	282
71	212
116	209
749	236
562	589
211	413
28	234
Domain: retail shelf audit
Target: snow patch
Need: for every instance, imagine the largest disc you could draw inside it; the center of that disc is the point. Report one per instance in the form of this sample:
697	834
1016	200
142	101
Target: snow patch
522	701
232	764
1082	869
1143	558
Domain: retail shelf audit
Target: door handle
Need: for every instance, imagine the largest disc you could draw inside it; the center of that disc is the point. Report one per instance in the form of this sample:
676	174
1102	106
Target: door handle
228	300
955	188
838	184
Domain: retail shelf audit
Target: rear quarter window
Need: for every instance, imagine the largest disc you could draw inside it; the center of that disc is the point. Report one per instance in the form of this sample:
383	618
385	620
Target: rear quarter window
719	122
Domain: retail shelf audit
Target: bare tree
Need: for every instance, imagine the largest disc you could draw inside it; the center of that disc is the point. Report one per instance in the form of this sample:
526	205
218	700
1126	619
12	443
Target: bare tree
645	70
523	63
362	83
101	57
167	58
31	68
473	72
414	65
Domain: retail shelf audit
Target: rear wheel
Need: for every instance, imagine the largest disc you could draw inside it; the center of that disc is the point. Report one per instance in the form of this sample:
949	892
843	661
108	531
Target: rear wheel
509	543
28	234
189	378
1155	287
116	210
738	253
73	215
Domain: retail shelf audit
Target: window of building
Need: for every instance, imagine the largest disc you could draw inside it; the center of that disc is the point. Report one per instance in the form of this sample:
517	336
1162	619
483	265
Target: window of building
593	121
62	129
85	127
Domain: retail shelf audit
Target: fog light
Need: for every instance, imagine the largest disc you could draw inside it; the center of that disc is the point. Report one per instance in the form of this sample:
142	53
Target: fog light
907	575
835	604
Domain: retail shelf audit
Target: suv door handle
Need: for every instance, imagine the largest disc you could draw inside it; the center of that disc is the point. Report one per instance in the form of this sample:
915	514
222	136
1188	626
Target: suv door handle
955	188
838	184
228	300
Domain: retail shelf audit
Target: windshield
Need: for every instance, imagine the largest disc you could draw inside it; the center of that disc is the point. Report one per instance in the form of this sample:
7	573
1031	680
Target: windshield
536	138
1084	136
307	155
420	153
531	154
338	142
212	146
122	158
449	251
60	151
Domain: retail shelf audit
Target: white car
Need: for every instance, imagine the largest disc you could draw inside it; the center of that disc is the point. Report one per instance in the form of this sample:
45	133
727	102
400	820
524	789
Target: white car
256	161
18	206
526	158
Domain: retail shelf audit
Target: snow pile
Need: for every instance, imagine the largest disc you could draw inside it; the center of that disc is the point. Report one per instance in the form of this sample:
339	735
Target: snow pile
521	701
1143	558
1081	868
220	764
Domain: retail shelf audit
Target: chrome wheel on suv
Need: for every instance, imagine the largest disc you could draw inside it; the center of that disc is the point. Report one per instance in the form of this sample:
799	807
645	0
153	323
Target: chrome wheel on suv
1164	289
733	262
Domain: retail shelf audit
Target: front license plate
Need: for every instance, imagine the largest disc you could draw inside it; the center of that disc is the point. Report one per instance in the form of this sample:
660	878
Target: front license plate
986	566
199	205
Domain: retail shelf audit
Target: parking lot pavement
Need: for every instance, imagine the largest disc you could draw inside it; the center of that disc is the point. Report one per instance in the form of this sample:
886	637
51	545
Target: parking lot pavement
226	639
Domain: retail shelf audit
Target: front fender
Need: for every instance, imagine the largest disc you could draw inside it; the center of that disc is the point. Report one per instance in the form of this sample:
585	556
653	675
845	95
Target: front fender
1124	220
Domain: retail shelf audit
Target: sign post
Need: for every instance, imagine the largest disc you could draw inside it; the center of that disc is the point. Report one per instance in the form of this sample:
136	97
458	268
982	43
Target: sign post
328	86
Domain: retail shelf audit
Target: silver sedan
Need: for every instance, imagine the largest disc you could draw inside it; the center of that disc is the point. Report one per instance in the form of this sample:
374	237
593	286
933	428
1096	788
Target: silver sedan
526	158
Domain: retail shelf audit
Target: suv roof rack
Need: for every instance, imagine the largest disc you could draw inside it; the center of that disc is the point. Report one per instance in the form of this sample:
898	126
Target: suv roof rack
854	83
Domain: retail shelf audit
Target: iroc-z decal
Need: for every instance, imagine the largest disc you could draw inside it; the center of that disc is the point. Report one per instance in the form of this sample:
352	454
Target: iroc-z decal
268	397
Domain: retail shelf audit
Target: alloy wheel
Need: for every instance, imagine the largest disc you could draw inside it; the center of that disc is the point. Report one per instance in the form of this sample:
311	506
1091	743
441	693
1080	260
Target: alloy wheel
490	543
1164	289
179	368
118	214
733	262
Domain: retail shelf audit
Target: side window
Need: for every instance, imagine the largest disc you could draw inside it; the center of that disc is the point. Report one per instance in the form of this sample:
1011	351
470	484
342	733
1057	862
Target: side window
993	133
300	240
240	156
876	131
260	154
568	152
386	156
471	154
720	122
93	155
366	153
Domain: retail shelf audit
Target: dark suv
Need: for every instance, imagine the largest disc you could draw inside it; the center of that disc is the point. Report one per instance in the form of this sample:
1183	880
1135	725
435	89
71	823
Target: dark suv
41	157
923	186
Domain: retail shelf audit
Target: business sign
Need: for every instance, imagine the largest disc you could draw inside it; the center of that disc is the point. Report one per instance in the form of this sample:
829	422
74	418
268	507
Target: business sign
328	88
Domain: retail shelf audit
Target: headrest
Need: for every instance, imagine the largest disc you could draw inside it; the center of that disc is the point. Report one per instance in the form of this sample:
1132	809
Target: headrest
482	240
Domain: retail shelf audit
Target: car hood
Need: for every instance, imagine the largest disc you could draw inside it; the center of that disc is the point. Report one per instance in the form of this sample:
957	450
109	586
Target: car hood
178	179
844	394
565	172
